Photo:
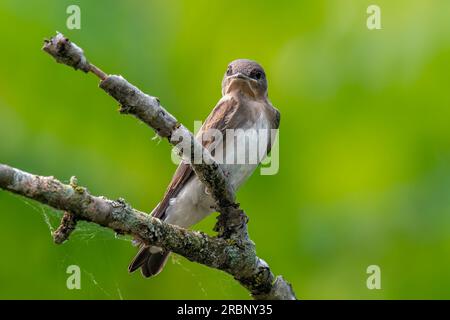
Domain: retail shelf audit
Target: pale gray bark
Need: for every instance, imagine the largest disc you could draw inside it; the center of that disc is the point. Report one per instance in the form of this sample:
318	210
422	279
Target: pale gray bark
232	251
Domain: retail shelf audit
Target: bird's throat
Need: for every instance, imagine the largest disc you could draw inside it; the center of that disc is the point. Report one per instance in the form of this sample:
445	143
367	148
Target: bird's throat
241	86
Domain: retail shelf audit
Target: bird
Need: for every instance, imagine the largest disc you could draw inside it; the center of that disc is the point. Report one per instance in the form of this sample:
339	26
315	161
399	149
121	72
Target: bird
244	105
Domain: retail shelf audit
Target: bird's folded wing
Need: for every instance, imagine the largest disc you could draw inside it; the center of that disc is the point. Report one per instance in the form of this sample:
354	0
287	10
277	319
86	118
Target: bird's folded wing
223	116
275	124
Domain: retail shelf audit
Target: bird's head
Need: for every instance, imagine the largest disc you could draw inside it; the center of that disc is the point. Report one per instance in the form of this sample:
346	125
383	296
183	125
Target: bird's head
247	76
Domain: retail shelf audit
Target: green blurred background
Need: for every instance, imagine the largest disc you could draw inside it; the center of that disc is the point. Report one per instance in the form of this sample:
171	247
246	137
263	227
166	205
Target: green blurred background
364	143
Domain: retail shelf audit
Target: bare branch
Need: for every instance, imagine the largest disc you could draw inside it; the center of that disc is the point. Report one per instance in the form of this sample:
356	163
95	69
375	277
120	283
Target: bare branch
237	259
70	54
66	227
232	222
148	109
232	252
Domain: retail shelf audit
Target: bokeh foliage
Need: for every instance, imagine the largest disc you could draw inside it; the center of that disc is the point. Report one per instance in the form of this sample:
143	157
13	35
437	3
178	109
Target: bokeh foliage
365	141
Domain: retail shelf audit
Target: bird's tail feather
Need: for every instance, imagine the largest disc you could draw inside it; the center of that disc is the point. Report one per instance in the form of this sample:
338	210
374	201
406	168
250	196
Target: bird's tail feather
155	263
150	263
140	258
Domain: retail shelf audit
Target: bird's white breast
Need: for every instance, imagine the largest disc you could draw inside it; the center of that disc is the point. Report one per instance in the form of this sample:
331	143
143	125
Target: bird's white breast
238	171
193	203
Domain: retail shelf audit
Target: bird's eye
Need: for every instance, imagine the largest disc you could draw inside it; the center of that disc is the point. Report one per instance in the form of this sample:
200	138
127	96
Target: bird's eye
257	75
229	71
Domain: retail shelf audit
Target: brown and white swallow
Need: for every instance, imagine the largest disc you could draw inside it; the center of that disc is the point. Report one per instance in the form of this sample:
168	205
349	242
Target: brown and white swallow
244	105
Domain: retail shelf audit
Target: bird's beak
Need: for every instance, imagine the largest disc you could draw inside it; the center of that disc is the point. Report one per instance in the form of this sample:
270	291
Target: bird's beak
241	81
241	76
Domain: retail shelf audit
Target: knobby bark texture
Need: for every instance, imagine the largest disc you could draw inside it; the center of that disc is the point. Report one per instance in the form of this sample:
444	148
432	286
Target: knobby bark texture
231	251
237	259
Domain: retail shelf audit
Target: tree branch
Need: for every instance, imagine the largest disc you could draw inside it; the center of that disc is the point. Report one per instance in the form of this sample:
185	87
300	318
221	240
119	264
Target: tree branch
237	259
66	227
232	251
232	222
